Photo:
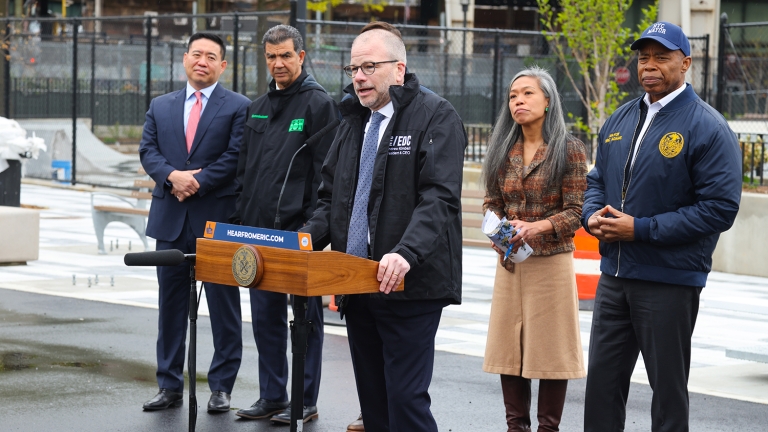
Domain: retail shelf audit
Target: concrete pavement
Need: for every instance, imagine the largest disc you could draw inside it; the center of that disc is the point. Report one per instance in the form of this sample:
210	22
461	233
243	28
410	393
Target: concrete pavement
733	314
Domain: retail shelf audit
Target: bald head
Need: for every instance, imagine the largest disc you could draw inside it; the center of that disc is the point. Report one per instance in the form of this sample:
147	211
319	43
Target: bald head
390	44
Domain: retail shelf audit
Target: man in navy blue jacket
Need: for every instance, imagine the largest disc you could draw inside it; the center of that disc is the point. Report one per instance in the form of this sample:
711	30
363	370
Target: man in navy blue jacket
666	183
190	147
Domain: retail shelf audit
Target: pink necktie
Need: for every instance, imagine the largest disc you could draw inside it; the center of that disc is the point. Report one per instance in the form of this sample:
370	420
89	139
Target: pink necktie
194	119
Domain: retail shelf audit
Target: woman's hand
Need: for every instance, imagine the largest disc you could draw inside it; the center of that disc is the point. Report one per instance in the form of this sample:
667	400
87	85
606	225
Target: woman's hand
528	230
496	248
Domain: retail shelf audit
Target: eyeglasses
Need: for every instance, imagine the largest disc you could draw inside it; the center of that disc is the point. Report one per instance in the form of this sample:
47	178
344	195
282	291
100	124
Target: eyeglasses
368	68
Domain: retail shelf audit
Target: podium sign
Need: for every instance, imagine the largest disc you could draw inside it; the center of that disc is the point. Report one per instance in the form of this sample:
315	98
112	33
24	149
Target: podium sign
258	236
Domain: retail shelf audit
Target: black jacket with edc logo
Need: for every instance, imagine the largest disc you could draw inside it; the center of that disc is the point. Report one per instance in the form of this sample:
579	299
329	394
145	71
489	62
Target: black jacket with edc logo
277	124
415	202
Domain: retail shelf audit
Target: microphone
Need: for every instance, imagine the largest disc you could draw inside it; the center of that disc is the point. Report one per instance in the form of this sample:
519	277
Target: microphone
169	257
310	141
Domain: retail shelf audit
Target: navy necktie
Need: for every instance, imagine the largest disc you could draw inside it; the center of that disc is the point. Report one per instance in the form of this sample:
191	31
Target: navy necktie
357	237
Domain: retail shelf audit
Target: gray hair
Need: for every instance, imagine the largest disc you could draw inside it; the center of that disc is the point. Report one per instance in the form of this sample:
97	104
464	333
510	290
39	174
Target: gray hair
507	132
392	43
281	33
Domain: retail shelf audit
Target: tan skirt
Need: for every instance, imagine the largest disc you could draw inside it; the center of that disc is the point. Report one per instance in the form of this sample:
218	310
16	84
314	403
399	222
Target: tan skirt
534	326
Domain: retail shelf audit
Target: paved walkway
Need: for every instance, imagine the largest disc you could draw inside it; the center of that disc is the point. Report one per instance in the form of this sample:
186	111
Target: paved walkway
733	313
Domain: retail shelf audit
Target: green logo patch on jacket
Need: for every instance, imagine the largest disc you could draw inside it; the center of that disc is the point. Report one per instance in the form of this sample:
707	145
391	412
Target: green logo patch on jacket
259	116
297	125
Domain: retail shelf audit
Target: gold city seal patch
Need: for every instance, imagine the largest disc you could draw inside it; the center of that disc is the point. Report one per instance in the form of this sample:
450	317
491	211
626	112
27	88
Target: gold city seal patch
671	144
245	265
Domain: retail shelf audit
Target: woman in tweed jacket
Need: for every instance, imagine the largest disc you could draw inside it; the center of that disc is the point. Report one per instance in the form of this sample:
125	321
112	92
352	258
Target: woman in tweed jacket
535	176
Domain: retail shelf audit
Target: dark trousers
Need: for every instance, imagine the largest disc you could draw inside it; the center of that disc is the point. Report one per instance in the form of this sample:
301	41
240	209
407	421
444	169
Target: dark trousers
633	316
393	353
226	323
269	313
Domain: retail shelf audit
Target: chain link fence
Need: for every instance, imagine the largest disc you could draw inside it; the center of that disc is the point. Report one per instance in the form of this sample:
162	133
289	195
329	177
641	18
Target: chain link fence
742	91
93	137
743	83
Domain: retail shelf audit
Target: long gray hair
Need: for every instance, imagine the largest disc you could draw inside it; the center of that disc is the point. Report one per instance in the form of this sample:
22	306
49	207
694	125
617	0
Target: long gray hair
507	132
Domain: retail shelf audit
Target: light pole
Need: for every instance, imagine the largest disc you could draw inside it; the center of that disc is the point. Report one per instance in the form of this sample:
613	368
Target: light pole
464	8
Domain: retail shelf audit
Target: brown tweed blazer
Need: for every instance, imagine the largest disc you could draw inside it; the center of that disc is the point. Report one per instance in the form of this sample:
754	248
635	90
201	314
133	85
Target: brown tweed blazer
528	198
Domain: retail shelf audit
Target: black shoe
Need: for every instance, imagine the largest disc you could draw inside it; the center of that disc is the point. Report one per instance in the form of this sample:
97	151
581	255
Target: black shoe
219	402
263	408
164	399
310	413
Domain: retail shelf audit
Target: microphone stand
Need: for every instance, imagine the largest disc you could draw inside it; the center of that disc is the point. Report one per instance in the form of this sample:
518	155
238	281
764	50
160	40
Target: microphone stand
192	365
279	225
300	326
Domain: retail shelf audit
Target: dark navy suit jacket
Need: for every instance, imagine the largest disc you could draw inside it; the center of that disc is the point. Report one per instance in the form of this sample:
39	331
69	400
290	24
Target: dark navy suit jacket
215	149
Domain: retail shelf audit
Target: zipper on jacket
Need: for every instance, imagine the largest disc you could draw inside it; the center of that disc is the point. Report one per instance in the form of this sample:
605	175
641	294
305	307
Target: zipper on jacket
625	184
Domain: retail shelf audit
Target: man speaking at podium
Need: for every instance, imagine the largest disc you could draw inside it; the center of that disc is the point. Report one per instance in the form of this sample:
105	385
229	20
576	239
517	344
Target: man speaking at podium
278	123
189	147
390	191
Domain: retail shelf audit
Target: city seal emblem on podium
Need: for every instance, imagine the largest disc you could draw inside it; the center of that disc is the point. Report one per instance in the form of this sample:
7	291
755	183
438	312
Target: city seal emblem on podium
247	266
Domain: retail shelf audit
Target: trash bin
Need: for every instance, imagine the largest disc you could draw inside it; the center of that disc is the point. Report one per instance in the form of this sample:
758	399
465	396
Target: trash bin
10	184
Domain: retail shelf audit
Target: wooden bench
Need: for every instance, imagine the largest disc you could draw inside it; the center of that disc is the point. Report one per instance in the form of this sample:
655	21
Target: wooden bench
131	211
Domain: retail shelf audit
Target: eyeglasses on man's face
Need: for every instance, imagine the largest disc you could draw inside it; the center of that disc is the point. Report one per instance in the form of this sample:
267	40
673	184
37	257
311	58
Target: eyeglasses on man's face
368	68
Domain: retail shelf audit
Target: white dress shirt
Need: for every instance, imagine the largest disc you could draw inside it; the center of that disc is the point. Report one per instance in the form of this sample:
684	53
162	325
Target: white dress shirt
387	111
653	109
190	101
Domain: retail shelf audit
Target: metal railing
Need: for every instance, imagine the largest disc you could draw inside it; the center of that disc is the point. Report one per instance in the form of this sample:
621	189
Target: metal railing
754	160
742	84
118	73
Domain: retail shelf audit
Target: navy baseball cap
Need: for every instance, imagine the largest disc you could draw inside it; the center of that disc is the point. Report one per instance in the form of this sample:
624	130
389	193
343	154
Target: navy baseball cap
667	34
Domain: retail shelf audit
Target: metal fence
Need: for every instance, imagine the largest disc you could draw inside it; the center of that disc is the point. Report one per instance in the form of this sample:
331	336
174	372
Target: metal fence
754	161
115	78
742	94
118	75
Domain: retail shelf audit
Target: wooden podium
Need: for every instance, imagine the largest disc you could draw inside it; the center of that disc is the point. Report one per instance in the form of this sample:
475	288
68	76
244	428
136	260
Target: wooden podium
301	273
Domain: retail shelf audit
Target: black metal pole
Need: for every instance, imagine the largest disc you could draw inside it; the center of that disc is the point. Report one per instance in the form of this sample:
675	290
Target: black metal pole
93	81
464	109
300	328
192	363
245	83
294	14
7	71
235	51
495	86
170	73
446	61
75	25
343	74
148	92
752	164
301	14
721	63
706	68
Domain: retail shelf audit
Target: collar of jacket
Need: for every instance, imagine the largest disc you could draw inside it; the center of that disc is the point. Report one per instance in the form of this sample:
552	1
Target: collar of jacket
278	99
400	95
684	98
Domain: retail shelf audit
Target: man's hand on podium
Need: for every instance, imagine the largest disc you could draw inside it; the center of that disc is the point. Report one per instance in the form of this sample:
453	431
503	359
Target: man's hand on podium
392	270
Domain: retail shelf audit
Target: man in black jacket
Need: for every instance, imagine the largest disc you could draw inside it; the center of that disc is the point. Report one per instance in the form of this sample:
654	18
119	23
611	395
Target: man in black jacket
277	124
390	191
